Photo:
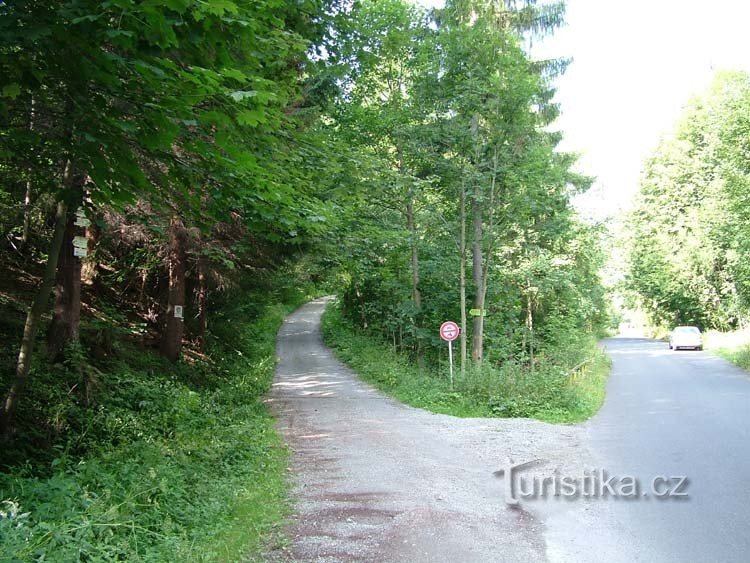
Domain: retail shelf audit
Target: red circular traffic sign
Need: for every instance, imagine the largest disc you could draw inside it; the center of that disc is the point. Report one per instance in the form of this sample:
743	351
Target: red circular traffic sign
449	331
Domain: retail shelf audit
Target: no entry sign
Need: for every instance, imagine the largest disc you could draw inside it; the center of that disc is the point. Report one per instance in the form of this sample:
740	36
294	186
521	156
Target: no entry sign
449	331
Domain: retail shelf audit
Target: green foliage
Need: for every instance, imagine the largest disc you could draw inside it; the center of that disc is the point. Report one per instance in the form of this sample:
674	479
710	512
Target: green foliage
165	462
347	130
447	104
732	346
554	391
181	103
688	238
740	356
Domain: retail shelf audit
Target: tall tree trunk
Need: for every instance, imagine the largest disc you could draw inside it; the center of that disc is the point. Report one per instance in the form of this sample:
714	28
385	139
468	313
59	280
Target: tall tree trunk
90	271
26	216
530	327
416	294
32	323
462	275
66	315
27	195
174	329
477	351
202	301
142	288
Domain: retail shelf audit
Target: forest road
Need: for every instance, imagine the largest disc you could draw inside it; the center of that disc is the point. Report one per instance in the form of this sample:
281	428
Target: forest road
375	480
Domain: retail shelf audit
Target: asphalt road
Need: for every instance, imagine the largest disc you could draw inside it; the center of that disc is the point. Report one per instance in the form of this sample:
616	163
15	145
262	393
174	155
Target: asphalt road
375	480
681	414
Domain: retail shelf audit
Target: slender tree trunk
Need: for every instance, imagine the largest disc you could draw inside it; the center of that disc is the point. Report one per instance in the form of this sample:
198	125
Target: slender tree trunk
90	271
174	329
142	288
462	275
28	194
202	302
416	295
530	328
32	323
477	351
66	315
26	216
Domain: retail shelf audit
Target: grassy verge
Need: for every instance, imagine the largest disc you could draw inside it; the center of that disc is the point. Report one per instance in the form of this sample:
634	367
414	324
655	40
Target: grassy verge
732	346
167	462
551	393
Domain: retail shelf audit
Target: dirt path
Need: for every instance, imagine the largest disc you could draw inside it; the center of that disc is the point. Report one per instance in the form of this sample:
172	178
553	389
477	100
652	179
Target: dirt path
379	481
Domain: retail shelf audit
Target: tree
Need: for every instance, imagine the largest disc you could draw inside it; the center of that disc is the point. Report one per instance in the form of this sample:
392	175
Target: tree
381	109
496	101
172	102
177	259
466	135
686	237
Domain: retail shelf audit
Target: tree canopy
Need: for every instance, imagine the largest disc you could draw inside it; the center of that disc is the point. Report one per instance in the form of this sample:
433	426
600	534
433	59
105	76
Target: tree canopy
172	170
687	238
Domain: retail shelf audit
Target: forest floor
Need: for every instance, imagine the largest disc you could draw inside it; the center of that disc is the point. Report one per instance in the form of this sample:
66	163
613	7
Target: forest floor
113	466
376	480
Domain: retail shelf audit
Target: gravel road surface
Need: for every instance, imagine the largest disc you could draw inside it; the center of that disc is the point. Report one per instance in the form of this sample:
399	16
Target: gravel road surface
379	481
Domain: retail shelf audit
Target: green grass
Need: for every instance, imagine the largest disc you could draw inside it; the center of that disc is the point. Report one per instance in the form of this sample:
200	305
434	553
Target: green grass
732	346
169	463
551	393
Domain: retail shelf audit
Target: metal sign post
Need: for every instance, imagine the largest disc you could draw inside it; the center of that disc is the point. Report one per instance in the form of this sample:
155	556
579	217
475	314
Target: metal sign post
449	332
450	361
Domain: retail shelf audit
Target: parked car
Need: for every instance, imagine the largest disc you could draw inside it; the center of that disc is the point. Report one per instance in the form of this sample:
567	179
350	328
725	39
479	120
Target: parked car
686	337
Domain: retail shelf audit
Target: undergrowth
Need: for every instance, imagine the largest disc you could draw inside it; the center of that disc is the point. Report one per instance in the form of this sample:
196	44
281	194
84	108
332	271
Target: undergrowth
552	392
155	461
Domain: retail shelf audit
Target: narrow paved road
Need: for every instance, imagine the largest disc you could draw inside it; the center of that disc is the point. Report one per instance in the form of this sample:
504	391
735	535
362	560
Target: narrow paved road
671	414
378	481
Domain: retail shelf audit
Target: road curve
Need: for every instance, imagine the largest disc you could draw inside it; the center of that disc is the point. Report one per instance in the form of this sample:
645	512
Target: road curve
375	480
379	481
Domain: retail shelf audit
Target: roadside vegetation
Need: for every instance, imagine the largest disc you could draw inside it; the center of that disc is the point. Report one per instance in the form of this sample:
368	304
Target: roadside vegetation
157	461
474	222
688	239
567	385
733	346
161	166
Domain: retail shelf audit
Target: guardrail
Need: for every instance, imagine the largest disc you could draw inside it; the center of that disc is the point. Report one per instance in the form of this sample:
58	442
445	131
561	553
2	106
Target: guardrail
579	371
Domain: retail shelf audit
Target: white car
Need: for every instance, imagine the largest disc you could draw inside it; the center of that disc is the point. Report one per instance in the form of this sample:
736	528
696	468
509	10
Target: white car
686	337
